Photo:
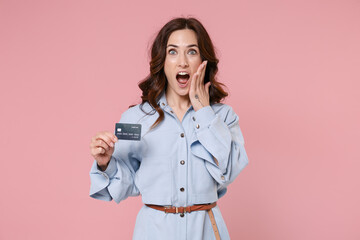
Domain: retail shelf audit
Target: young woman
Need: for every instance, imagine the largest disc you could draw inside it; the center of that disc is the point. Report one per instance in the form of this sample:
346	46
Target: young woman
191	145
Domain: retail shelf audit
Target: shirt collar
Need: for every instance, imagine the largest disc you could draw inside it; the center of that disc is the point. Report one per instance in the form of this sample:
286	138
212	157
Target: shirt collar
162	101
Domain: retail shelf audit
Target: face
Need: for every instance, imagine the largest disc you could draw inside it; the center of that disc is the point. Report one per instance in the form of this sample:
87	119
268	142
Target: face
182	61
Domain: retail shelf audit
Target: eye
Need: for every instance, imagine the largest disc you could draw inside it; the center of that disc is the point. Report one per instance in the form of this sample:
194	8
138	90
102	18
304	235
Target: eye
192	52
172	50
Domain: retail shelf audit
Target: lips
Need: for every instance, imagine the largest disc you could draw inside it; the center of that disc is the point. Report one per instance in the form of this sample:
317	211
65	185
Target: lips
182	77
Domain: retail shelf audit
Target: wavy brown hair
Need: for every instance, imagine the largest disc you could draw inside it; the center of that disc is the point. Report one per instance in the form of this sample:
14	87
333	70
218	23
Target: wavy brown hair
155	83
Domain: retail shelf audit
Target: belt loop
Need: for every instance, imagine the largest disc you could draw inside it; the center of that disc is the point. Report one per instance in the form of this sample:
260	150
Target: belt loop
177	209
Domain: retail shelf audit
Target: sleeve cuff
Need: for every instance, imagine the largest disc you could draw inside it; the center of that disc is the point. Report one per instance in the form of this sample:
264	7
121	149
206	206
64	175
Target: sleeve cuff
203	117
110	170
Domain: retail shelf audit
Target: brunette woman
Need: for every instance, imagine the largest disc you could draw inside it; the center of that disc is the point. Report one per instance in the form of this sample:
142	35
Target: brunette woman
191	145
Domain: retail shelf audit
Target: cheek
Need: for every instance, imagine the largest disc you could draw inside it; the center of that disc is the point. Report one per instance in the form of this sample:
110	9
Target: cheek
169	67
170	61
196	63
166	67
195	67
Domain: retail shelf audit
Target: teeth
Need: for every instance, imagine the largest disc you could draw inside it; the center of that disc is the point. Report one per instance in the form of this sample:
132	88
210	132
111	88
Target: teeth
183	73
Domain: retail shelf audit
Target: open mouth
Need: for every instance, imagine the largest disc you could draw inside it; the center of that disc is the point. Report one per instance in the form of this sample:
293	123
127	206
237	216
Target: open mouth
182	79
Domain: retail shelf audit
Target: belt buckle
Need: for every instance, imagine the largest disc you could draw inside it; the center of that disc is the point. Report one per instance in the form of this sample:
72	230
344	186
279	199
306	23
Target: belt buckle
177	209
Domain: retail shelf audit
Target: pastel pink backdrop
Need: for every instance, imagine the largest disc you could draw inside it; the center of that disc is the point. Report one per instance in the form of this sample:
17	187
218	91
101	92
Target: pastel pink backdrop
69	69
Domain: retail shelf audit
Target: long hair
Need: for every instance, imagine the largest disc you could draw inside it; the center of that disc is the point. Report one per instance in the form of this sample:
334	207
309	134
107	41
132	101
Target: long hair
155	83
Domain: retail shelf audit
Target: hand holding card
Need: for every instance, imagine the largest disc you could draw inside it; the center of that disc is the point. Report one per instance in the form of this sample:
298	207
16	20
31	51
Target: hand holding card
102	147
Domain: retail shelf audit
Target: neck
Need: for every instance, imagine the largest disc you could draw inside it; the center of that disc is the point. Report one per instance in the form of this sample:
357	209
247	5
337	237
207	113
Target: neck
176	101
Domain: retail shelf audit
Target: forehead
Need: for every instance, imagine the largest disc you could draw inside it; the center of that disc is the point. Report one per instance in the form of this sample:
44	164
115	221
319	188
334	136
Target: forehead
182	37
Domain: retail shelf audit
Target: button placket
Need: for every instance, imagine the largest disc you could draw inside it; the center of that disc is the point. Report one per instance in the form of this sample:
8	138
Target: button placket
197	124
181	165
183	176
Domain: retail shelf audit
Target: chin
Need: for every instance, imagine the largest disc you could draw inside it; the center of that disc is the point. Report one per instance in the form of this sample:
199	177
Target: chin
178	90
183	92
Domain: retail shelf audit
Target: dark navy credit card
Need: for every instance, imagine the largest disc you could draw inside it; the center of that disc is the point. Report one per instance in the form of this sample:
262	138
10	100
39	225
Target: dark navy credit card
128	131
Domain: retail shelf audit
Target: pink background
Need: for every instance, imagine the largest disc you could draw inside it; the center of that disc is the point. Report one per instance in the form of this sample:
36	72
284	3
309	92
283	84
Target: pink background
68	69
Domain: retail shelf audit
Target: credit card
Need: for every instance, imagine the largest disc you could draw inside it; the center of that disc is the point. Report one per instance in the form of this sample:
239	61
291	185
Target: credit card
128	131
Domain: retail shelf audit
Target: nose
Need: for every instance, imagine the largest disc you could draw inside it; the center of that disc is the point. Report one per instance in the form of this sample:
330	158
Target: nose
183	61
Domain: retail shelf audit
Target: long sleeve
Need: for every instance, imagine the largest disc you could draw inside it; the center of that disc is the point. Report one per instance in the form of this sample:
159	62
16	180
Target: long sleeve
117	181
218	141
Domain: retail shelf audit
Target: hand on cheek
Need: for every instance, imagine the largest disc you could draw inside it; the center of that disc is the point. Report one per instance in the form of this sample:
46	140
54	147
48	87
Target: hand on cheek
199	92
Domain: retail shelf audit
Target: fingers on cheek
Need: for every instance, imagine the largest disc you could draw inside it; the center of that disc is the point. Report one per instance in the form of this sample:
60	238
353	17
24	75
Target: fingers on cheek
199	80
196	78
193	80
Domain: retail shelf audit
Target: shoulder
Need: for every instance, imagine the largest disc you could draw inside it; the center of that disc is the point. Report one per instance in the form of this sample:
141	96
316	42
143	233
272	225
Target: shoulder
221	107
225	112
136	113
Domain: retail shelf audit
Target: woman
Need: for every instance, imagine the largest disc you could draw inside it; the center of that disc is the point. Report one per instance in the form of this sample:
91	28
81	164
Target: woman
191	145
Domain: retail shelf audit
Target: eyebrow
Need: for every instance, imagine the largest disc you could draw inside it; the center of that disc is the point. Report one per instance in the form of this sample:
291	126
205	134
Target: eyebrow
191	45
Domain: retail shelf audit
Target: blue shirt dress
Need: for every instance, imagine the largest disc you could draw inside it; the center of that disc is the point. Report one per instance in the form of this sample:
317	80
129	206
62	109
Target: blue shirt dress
177	163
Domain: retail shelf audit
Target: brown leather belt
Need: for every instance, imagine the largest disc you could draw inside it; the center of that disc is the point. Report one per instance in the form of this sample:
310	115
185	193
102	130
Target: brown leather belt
189	209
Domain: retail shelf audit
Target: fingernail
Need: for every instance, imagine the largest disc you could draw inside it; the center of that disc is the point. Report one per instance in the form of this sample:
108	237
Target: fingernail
112	144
